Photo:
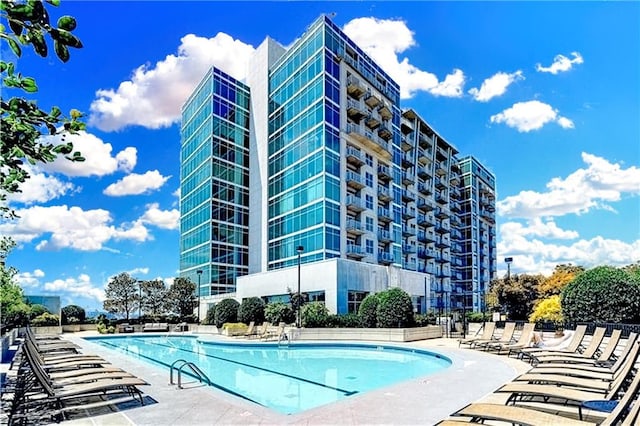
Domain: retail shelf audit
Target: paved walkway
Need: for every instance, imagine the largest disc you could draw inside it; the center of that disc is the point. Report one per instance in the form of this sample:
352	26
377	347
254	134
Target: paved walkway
425	401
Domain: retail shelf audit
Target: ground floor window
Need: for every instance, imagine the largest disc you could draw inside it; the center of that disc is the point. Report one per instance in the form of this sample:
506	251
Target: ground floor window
354	300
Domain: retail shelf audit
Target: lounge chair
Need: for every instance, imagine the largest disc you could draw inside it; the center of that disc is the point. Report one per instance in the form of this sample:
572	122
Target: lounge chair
274	333
251	330
262	331
505	338
589	352
487	334
567	395
573	346
480	412
523	341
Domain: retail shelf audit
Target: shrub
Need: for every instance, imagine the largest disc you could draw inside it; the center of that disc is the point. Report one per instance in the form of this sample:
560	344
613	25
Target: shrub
315	314
73	311
234	328
226	311
210	318
602	294
344	321
478	317
367	311
45	319
394	308
422	320
278	312
251	309
548	310
37	310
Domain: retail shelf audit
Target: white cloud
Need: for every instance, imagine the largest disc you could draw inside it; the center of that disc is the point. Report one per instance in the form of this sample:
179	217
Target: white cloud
561	63
495	85
135	271
154	95
29	279
581	191
40	188
384	40
166	219
84	230
70	288
537	228
135	184
98	157
531	115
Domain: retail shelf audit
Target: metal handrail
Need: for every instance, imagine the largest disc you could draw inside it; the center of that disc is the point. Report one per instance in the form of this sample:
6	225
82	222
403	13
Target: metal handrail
194	369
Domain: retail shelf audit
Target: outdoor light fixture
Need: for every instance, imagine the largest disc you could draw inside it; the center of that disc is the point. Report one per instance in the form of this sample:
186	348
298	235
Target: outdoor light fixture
199	272
299	249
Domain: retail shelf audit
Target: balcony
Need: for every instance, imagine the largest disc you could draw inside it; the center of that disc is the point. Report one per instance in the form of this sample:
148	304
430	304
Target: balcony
355	87
408	231
455	206
407	160
455	192
424	172
408	196
354	203
354	180
385	258
384	215
354	226
441	154
384	193
441	168
369	139
354	156
440	199
426	237
384	131
355	109
439	182
424	156
408	212
385	111
456	234
424	141
410	265
355	251
384	236
408	178
455	179
406	142
425	205
372	100
442	242
442	213
442	258
408	249
373	120
488	216
384	173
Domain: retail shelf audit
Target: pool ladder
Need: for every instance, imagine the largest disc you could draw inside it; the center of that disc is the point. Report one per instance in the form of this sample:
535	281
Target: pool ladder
179	364
283	340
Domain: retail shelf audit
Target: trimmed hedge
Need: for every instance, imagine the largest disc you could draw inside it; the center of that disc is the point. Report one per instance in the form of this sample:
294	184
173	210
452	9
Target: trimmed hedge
367	312
226	311
251	309
315	314
72	314
395	309
602	294
278	312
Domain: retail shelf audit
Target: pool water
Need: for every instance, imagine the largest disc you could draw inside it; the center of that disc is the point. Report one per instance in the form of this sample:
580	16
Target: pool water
286	379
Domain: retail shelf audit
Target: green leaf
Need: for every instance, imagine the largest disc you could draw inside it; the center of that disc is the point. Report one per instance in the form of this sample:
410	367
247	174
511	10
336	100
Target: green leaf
16	26
54	2
67	23
28	84
55	112
10	67
15	47
61	51
65	37
38	42
3	66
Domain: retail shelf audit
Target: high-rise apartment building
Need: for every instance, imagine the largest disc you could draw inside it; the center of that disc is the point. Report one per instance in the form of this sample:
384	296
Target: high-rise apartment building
339	181
478	229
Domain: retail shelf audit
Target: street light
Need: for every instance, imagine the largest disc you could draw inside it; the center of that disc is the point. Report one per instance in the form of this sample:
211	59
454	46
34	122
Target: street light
199	272
508	261
140	301
299	249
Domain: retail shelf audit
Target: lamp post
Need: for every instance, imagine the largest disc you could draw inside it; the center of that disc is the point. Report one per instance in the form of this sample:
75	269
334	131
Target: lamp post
140	301
508	261
199	272
299	249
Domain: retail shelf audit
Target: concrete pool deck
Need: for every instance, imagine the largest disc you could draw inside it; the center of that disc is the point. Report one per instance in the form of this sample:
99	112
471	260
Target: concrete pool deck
473	376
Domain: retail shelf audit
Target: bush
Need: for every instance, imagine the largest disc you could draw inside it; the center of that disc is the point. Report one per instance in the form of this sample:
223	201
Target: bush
478	317
422	320
251	309
46	319
344	321
234	328
37	310
73	311
367	311
226	311
548	310
602	294
210	318
394	309
315	314
278	312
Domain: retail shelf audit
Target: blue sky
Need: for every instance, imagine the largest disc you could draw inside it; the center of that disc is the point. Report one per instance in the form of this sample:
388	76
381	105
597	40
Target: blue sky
545	94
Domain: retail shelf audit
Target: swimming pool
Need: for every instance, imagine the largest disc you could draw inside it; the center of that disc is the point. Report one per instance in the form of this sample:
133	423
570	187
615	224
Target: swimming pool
286	379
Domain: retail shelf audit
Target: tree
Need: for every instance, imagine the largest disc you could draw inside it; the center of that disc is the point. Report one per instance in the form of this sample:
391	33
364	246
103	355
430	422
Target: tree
515	295
277	312
181	298
315	314
22	121
14	312
72	314
602	294
548	309
37	310
561	276
251	309
121	295
367	311
394	309
154	297
226	311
